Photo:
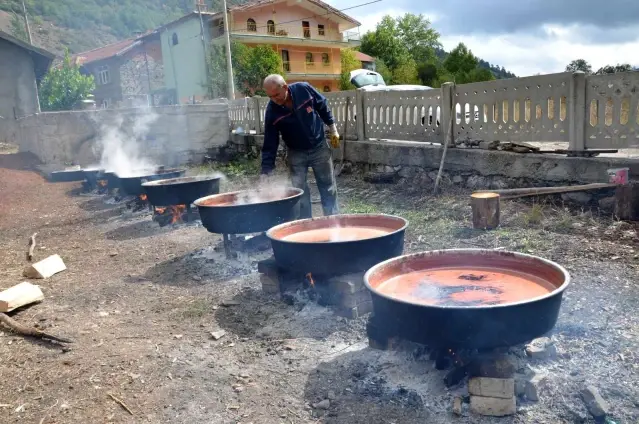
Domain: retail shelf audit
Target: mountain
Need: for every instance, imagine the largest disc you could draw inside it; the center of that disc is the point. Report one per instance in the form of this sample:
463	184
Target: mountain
82	25
499	72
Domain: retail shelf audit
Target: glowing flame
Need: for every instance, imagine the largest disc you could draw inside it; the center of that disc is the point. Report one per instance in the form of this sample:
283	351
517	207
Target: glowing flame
102	183
160	211
309	277
176	211
143	197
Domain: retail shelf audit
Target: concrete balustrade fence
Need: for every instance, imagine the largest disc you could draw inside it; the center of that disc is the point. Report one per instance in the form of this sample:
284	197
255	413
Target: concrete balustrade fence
587	112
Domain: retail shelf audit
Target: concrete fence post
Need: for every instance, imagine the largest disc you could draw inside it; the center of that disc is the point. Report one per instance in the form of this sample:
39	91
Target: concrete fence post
360	114
447	112
257	116
577	112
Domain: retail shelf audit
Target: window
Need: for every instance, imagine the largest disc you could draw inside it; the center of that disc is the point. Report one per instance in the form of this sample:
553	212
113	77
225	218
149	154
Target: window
251	25
286	64
327	89
325	59
309	58
174	39
321	30
306	29
102	75
270	27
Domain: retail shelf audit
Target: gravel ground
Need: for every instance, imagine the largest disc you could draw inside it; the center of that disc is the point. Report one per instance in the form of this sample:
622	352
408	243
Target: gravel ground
140	303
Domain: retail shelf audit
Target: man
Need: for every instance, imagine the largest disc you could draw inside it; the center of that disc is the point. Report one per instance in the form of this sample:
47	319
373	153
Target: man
298	112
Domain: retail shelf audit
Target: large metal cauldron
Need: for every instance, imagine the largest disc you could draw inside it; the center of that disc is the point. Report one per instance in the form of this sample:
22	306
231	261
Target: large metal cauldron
92	175
66	176
180	191
132	184
244	212
460	298
338	244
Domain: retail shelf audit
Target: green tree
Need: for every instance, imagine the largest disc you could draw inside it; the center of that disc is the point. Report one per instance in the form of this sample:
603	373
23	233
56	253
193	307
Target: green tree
349	63
416	33
382	69
463	66
384	43
579	65
63	87
250	66
610	69
406	73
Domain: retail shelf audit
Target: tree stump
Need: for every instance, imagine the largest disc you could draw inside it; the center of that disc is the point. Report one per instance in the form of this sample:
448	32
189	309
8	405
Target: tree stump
627	202
485	208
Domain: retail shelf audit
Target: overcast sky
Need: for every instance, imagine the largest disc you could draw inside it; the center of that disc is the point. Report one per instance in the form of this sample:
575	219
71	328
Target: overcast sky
524	36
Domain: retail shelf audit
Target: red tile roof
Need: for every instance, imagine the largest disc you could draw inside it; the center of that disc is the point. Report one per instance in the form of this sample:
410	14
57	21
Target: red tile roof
363	57
104	52
319	3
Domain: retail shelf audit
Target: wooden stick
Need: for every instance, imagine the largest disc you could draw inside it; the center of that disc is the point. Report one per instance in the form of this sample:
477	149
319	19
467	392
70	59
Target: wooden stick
16	327
32	244
485	208
446	142
121	403
536	191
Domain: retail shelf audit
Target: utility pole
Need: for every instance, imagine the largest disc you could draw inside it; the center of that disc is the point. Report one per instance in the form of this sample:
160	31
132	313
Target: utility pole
229	63
26	22
206	62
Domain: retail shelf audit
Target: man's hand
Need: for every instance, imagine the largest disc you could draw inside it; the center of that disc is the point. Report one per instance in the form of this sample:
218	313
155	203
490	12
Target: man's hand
334	136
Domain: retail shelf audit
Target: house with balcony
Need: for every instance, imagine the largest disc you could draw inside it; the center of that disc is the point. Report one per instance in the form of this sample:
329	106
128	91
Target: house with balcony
307	34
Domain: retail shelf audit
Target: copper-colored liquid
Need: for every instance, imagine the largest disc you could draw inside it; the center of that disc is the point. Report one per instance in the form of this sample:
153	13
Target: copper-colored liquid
459	286
327	235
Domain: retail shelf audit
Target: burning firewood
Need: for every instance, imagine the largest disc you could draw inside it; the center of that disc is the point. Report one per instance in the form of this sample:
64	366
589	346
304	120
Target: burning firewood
32	244
21	329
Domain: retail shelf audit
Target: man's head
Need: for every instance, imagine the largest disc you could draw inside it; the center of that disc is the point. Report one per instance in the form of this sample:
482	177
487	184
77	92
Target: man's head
276	88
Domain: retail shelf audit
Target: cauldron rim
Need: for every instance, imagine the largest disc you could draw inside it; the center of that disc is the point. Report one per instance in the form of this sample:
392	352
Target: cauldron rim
180	180
298	193
271	230
151	173
519	255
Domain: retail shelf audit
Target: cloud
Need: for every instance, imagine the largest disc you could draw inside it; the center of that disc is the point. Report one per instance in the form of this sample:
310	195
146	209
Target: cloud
526	37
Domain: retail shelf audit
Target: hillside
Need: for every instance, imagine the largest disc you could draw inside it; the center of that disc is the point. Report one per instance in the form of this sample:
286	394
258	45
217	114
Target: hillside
82	25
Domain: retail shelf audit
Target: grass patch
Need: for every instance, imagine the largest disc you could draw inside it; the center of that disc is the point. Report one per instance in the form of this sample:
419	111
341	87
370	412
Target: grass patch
534	216
196	309
239	168
359	206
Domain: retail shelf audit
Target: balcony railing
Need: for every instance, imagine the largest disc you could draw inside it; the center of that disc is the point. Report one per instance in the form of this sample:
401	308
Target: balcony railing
303	67
288	31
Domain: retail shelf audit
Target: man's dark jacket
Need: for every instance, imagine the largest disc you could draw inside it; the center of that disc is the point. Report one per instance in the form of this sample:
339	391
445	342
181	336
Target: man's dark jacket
302	128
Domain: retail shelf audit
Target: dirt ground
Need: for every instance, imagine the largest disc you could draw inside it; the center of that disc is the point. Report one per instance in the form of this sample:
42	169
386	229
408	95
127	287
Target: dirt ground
140	303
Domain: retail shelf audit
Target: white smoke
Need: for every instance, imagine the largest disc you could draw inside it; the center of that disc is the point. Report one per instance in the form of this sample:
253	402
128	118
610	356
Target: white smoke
121	142
273	188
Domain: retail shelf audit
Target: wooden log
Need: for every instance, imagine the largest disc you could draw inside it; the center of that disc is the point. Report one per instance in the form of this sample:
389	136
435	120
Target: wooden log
627	202
20	295
16	327
485	208
45	268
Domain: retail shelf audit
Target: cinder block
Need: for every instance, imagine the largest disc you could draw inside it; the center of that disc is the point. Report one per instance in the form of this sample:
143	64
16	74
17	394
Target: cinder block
269	285
503	388
493	407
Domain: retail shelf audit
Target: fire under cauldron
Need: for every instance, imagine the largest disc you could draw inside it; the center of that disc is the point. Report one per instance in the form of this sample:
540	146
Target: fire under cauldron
249	211
465	298
180	192
131	184
339	244
92	176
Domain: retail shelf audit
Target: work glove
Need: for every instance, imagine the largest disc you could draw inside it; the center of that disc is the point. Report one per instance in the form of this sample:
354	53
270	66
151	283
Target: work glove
334	136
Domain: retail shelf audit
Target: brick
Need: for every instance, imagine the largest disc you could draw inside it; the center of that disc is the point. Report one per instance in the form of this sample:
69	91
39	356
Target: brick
269	285
348	283
352	300
500	366
503	388
493	407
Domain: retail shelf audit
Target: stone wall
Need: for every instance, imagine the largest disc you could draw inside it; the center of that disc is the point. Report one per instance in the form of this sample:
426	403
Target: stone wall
167	134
